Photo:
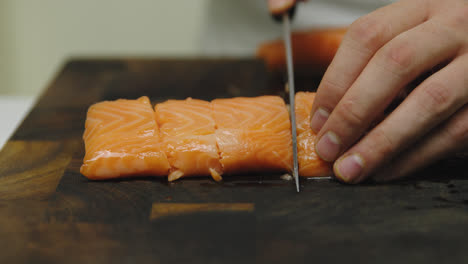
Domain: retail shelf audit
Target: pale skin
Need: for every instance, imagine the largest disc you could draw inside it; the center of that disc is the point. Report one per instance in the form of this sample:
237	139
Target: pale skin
381	54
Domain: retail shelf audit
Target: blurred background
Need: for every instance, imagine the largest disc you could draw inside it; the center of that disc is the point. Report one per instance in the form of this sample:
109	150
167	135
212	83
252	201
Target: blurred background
36	37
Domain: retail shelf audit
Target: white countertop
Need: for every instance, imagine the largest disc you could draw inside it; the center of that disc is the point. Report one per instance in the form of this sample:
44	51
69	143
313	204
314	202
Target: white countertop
13	109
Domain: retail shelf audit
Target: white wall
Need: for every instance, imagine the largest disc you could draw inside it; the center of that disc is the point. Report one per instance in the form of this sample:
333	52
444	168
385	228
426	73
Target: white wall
36	36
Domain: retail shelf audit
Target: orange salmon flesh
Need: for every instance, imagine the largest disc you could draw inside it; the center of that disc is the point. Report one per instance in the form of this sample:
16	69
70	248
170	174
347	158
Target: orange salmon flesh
182	138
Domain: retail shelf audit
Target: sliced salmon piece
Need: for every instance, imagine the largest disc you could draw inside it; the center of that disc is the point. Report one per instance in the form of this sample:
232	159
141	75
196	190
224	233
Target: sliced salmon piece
195	137
253	134
121	139
187	131
310	164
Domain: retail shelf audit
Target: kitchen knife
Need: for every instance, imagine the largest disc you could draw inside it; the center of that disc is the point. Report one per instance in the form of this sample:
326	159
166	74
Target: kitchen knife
292	112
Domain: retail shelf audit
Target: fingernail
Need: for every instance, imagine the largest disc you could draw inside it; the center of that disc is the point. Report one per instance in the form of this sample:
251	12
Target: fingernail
328	146
318	119
349	168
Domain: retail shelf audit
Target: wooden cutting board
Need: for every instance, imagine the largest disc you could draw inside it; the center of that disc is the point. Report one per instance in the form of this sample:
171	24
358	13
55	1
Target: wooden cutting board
50	213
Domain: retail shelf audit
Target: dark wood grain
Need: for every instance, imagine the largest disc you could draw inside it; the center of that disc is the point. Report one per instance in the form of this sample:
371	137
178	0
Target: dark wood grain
50	213
32	169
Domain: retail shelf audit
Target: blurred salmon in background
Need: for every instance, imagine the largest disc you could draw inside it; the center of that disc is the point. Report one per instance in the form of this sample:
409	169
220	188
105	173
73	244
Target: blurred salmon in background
313	50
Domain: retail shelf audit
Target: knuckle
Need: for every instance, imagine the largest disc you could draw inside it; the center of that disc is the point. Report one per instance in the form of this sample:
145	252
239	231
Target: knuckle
398	57
332	86
453	23
436	98
460	17
444	29
368	32
382	145
457	130
348	111
334	92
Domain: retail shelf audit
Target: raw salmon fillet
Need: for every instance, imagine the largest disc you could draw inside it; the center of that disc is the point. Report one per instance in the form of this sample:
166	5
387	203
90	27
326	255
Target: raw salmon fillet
310	164
187	132
196	138
253	134
121	139
313	50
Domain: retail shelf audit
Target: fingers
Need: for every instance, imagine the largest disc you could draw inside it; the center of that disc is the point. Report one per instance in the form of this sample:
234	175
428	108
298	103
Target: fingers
447	139
279	7
365	36
433	101
392	68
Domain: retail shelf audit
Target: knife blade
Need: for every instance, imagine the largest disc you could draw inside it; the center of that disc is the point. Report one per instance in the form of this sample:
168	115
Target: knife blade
290	69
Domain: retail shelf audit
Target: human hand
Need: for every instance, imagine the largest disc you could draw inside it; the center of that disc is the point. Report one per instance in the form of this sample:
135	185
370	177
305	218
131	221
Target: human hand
380	55
279	7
